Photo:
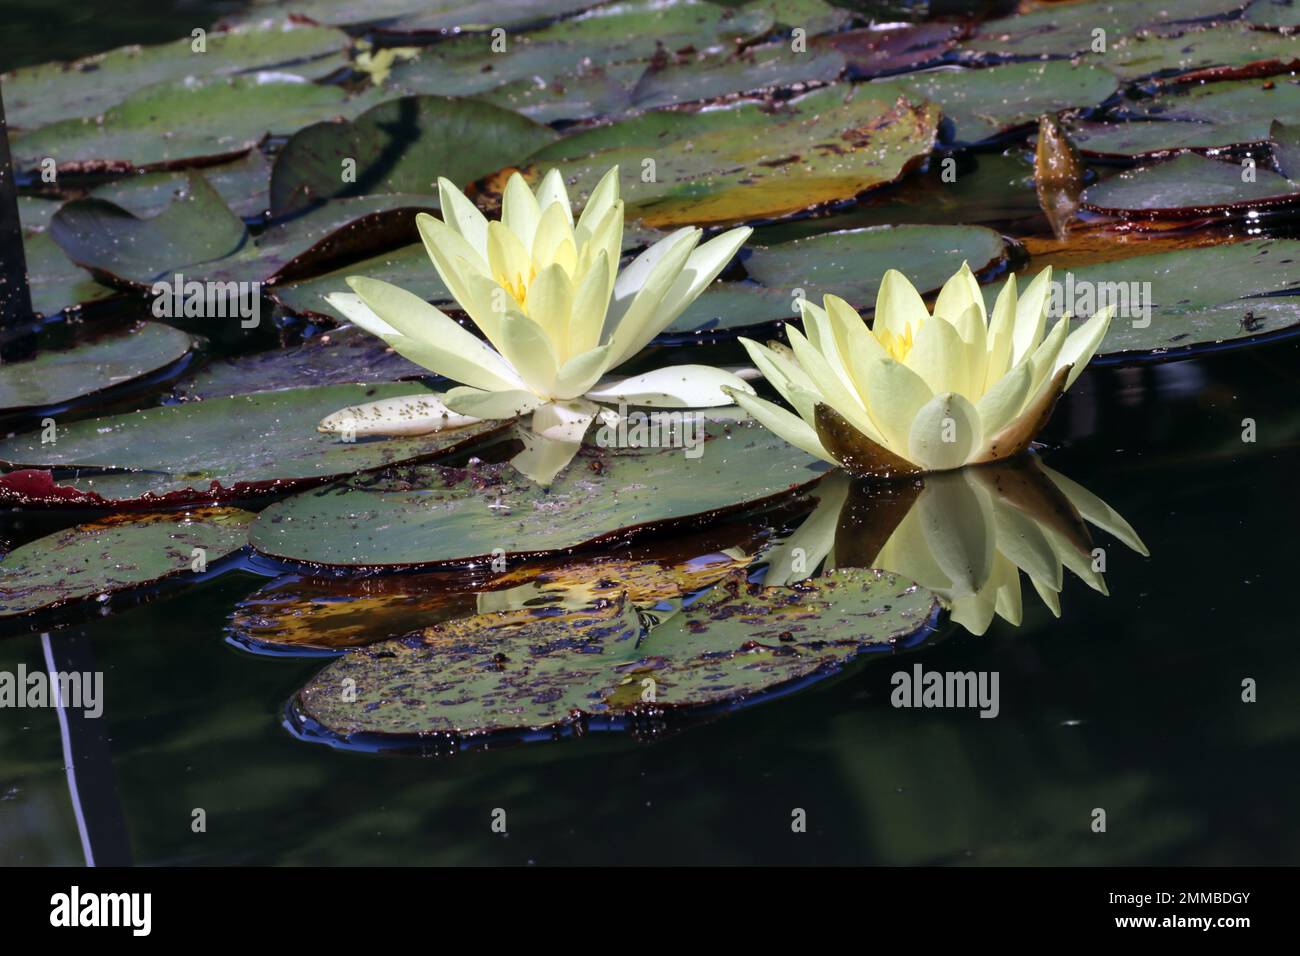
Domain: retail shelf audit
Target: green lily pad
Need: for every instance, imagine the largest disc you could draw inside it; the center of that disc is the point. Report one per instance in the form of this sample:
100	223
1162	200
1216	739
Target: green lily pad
224	448
851	263
1064	30
603	89
241	184
199	237
728	308
1273	14
178	124
433	515
1284	139
1189	186
116	554
401	146
609	34
600	665
1227	45
811	16
1207	116
337	357
57	378
1200	298
57	284
414	16
750	161
38	95
980	105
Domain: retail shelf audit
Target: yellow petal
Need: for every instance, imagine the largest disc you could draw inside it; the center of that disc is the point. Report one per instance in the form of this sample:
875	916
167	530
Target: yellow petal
895	394
550	305
945	432
551	192
1031	316
519	210
898	306
1002	328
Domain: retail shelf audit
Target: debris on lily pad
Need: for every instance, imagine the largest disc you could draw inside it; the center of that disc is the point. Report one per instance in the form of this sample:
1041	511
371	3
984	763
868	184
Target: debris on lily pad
94	560
521	672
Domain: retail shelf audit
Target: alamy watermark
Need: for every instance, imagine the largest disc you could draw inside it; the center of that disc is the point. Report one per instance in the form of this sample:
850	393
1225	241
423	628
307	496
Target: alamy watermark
75	690
946	689
654	429
1081	298
208	299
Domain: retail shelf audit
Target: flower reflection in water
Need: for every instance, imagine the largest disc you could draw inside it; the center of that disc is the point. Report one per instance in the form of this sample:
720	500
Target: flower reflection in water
965	534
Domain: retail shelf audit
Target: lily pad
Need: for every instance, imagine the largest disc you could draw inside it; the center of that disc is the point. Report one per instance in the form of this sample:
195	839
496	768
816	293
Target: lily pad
58	378
609	34
878	51
811	16
401	146
1199	298
1064	30
57	283
602	89
221	449
1284	138
323	614
726	308
38	95
851	263
980	105
241	184
337	357
199	237
750	161
1189	187
1221	48
599	666
115	554
439	516
1203	117
184	123
406	16
1273	14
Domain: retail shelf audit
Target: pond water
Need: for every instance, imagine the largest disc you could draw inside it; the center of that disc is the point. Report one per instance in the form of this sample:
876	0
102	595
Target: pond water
1130	702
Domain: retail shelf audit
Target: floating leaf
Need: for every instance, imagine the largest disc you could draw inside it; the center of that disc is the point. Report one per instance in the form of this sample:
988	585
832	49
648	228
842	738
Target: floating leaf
749	161
37	95
597	666
241	184
1203	117
224	448
57	283
199	237
1284	138
114	554
980	105
433	515
601	89
878	51
337	357
1273	14
323	614
1064	30
1190	187
1223	48
850	264
401	146
182	123
55	378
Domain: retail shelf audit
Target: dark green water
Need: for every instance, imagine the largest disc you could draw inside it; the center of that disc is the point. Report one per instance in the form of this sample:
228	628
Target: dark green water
1130	702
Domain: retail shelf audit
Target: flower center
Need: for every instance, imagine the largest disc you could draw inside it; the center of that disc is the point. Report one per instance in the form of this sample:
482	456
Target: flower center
898	346
517	286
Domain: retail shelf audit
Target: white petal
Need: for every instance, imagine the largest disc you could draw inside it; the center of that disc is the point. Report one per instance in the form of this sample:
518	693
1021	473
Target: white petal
1031	315
402	415
944	433
677	386
784	424
463	216
477	403
1082	344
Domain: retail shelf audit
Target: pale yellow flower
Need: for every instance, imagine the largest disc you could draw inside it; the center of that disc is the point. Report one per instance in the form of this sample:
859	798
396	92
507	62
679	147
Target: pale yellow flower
921	392
557	315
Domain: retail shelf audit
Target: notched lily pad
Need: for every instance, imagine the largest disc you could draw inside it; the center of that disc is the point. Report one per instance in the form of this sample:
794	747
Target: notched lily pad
221	449
57	378
442	516
115	554
401	146
600	667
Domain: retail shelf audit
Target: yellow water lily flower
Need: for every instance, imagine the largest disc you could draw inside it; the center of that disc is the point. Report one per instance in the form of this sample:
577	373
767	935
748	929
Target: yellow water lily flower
556	312
966	535
920	392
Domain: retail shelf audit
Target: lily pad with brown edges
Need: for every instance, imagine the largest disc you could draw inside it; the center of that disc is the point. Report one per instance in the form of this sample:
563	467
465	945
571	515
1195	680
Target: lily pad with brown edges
601	667
749	161
1191	186
215	450
116	554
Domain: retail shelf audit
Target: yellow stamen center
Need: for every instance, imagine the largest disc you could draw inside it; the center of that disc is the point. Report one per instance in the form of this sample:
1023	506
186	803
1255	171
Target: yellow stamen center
897	346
